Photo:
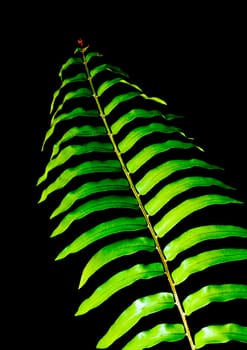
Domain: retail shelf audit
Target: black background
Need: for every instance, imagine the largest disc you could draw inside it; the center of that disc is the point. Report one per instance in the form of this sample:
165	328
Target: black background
193	56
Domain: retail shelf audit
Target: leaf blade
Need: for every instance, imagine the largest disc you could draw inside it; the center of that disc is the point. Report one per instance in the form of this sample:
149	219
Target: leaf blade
199	234
88	167
207	259
117	282
132	315
216	334
213	293
92	206
188	207
90	188
113	251
160	333
154	176
105	229
177	187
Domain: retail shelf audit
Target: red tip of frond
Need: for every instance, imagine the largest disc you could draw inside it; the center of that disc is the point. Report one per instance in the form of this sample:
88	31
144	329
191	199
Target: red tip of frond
80	42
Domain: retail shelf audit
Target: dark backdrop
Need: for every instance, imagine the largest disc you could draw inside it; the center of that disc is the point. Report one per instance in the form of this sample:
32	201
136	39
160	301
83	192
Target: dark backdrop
192	56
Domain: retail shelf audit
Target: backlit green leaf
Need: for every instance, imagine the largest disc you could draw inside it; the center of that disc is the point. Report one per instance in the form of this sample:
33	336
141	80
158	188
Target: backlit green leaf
217	334
199	234
162	171
109	83
78	77
189	206
92	54
117	282
214	293
137	133
83	131
105	229
77	112
114	251
109	67
88	167
154	98
150	151
132	115
156	335
205	260
89	188
119	99
132	314
177	187
74	150
94	205
68	63
81	92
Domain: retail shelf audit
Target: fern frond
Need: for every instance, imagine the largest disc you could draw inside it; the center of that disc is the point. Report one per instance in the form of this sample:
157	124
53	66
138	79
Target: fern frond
126	181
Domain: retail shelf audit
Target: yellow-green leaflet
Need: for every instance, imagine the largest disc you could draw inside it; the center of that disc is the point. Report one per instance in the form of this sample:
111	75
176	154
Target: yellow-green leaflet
76	112
81	92
182	210
132	314
154	98
84	131
109	67
150	151
207	259
160	333
107	228
89	188
92	54
88	167
162	171
132	115
117	282
114	251
217	334
94	205
213	293
119	99
109	83
137	133
78	77
174	188
199	234
74	150
69	62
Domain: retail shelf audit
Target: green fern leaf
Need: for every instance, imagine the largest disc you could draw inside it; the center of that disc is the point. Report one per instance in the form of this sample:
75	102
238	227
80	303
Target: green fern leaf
213	293
156	335
90	188
132	315
95	205
125	180
186	208
84	168
114	251
154	176
205	260
117	282
199	234
219	334
105	229
177	187
77	112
